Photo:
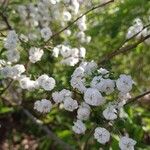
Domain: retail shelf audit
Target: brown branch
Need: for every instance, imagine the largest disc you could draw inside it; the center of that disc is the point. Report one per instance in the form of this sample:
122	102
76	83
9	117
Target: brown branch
131	100
85	13
122	50
46	129
4	18
85	147
6	88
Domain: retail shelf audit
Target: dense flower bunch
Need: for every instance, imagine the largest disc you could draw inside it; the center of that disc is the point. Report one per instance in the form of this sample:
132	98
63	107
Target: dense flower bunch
95	94
71	56
95	84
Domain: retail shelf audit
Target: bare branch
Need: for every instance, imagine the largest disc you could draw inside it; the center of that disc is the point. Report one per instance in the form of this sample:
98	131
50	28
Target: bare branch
7	87
85	147
6	21
131	100
46	129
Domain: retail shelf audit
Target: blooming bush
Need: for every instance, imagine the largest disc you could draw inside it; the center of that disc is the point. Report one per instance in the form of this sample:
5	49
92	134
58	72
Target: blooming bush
48	59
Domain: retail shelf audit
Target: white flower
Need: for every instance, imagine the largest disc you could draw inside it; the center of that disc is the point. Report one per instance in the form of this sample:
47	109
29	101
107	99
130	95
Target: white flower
82	52
46	82
93	97
70	61
17	70
135	29
75	6
106	85
124	83
89	67
78	73
65	51
55	52
58	97
6	72
78	83
66	16
11	40
101	135
35	54
110	113
95	81
67	32
53	2
102	71
26	83
126	143
13	55
83	112
46	33
70	104
79	127
43	106
124	96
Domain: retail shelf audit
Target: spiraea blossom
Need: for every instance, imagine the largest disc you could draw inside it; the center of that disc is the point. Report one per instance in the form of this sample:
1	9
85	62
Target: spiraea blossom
83	112
11	40
126	143
71	56
135	29
102	135
93	97
46	33
13	55
46	82
59	97
35	54
70	104
26	83
43	106
124	83
110	113
103	85
13	71
67	16
79	127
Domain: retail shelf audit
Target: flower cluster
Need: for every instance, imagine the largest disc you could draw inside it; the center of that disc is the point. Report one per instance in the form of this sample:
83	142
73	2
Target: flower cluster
95	94
35	54
138	30
43	106
44	81
71	56
11	44
13	72
64	96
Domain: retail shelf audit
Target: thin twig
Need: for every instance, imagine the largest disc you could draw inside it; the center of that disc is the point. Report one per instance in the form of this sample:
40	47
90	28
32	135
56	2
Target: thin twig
85	13
88	137
122	50
7	87
6	21
131	100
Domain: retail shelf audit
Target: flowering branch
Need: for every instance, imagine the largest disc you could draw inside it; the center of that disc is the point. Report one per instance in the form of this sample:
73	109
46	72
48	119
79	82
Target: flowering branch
85	13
